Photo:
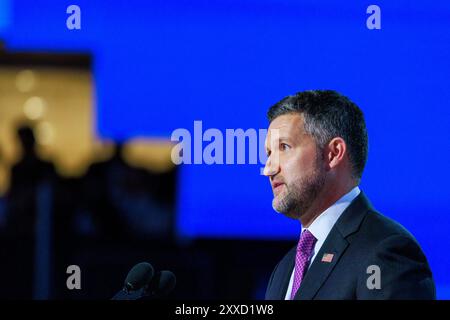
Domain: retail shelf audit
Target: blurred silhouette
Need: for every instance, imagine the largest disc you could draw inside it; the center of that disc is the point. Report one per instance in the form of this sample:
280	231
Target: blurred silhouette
26	176
97	196
129	202
29	208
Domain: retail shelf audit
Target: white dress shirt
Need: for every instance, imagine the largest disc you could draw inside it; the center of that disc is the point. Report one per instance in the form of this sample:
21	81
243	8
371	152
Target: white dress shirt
322	225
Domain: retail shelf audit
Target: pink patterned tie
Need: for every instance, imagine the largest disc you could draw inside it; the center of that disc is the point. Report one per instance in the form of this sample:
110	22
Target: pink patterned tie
304	249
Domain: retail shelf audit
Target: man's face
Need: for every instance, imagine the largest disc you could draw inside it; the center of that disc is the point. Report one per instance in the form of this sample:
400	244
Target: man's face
294	165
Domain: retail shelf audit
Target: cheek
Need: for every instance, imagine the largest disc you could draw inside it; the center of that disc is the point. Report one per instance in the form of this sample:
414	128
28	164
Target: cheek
300	165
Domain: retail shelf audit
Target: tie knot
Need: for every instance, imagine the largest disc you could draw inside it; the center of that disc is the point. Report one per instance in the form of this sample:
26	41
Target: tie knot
307	241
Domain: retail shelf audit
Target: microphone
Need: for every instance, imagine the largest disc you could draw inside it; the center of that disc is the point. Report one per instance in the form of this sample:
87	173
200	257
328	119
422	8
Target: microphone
136	282
161	285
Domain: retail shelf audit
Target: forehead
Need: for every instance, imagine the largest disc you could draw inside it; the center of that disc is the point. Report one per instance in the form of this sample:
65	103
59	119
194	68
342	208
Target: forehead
288	125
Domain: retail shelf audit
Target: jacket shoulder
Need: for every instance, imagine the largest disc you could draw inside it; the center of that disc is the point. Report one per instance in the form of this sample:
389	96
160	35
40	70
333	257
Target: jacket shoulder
376	227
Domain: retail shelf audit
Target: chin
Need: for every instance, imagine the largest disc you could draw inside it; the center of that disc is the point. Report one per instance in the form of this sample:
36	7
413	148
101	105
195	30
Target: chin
293	214
276	204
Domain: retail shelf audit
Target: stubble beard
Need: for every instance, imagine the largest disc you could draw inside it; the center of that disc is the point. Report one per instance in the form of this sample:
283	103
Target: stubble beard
298	196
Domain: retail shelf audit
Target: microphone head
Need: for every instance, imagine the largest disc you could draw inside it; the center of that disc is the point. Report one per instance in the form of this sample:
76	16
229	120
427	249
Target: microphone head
139	276
164	283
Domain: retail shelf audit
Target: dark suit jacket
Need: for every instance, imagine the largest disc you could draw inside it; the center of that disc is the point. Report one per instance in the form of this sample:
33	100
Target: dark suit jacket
360	238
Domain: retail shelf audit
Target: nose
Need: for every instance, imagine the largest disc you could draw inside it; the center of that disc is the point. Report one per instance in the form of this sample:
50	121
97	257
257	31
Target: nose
272	167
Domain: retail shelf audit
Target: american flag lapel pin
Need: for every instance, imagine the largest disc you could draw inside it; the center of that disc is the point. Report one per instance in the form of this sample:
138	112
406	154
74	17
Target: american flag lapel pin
327	257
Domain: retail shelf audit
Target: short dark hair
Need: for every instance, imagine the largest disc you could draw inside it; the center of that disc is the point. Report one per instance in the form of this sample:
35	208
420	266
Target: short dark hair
328	114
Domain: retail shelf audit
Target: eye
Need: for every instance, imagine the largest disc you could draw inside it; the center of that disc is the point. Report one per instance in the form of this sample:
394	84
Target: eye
284	146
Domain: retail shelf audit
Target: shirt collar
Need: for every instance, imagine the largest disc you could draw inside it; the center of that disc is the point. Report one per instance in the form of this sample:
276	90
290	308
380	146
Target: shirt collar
322	225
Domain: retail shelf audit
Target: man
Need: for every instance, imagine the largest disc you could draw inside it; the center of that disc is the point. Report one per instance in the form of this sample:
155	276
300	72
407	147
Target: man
317	148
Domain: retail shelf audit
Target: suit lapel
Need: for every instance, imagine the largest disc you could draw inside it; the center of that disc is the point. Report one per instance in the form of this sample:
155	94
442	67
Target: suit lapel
335	244
284	275
319	271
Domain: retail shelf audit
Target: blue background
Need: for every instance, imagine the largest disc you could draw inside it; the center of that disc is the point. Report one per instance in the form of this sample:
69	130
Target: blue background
160	65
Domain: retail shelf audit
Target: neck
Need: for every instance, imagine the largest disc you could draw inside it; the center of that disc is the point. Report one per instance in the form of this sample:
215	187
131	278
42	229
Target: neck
325	199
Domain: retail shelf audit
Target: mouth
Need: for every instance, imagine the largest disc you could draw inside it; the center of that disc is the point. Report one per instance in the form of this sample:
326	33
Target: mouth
276	187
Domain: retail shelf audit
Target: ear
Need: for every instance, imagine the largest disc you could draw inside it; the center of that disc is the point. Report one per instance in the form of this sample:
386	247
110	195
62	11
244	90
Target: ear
335	152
